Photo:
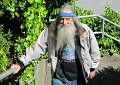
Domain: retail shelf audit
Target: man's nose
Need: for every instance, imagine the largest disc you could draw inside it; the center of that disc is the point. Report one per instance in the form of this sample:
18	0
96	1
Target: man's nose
64	21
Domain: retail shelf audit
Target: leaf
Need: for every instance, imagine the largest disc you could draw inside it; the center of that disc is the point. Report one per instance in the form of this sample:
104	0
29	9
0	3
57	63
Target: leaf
31	1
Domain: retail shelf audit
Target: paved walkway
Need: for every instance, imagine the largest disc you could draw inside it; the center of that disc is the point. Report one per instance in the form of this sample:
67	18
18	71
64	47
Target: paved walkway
98	5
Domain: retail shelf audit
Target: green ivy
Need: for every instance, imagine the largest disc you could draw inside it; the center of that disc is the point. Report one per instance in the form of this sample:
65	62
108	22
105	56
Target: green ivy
4	49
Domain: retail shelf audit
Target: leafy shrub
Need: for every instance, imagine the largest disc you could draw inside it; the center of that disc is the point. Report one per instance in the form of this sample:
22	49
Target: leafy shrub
4	49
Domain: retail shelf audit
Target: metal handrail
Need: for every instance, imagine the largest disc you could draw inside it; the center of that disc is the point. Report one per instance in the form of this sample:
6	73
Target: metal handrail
7	73
100	17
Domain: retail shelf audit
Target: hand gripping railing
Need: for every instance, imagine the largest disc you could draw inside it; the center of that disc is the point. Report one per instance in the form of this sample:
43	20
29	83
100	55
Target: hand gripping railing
7	73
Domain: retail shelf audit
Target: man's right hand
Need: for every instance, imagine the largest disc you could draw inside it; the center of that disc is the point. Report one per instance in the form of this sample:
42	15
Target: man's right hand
17	67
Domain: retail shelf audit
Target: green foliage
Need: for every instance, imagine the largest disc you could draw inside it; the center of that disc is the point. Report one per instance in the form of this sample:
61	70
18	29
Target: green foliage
34	17
31	14
34	22
115	17
107	46
4	61
112	15
4	49
114	31
5	42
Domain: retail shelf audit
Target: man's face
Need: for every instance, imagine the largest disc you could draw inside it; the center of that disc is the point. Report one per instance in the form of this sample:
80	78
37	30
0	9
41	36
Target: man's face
65	33
66	21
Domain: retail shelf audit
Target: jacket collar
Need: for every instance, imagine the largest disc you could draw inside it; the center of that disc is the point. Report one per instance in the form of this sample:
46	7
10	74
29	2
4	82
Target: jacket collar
83	34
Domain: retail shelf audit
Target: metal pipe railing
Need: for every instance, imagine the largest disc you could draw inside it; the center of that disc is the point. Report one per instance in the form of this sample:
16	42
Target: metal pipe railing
7	73
112	37
103	29
88	16
20	81
97	32
109	21
35	74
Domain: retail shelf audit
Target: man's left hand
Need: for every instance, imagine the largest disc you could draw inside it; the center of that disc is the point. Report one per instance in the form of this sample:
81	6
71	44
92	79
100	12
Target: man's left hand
92	74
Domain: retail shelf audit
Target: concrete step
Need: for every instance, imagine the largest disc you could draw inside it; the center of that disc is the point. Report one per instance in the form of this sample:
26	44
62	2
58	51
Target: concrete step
109	61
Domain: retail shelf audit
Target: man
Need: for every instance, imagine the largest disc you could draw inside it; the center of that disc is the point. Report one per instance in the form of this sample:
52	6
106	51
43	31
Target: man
72	49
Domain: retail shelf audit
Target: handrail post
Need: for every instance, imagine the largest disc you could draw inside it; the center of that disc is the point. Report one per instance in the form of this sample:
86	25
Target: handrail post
20	81
43	76
103	29
35	73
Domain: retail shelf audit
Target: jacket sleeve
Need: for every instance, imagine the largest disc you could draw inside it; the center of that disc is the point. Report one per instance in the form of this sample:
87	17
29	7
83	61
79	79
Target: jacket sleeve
37	50
94	50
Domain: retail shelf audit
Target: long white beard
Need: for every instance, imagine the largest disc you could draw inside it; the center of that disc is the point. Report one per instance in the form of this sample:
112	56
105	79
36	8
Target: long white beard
65	36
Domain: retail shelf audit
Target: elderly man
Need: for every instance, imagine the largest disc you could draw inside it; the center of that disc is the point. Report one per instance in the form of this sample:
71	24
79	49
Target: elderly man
72	49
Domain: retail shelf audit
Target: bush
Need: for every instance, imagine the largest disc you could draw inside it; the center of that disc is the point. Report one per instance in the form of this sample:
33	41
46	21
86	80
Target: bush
5	44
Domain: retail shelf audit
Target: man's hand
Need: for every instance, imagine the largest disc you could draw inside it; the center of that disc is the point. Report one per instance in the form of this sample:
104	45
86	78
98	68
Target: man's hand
17	67
92	74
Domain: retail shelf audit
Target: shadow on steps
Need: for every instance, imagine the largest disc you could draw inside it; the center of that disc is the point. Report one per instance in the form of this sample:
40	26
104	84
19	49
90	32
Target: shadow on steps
107	76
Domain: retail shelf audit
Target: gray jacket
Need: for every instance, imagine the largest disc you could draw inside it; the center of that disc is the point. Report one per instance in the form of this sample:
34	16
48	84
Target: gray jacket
46	42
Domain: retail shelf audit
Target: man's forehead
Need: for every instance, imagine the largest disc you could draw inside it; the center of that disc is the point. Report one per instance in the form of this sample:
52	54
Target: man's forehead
65	17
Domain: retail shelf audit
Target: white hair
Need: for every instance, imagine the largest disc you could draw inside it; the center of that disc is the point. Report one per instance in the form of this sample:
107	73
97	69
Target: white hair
65	36
67	9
